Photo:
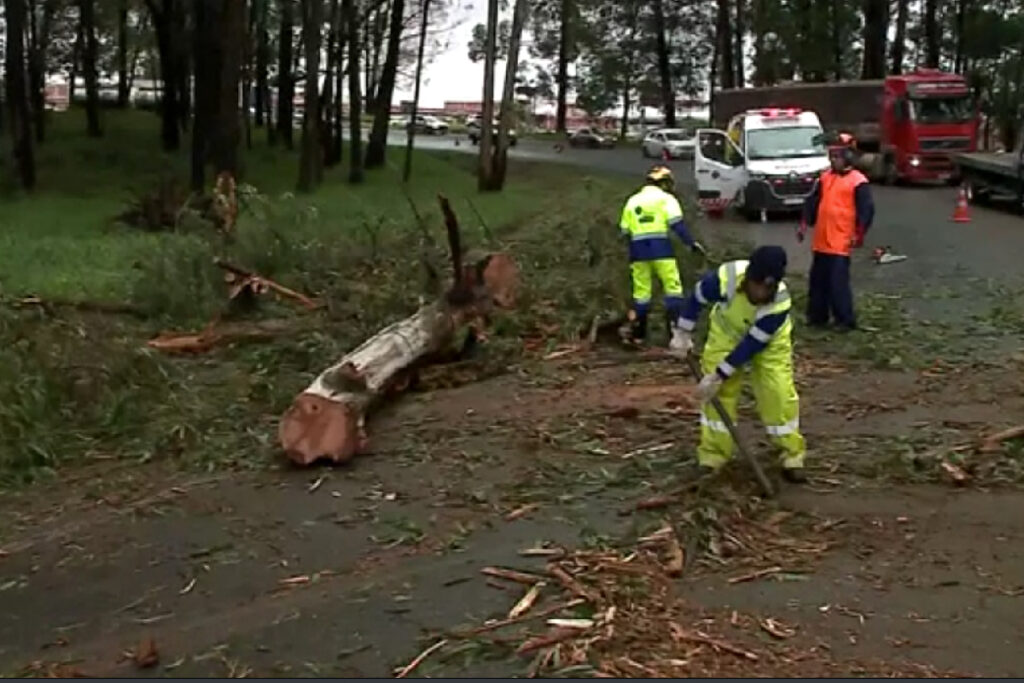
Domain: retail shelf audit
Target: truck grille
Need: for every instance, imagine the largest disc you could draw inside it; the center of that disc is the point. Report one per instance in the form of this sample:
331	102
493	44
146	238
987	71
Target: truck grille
785	186
944	144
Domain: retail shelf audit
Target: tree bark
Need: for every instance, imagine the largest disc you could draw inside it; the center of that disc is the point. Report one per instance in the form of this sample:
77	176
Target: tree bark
16	98
725	49
205	88
485	164
167	46
355	98
876	26
959	59
231	30
76	62
285	75
411	131
519	12
713	72
837	44
668	97
373	49
740	33
897	51
262	95
932	34
123	91
327	93
339	94
310	166
248	70
377	148
89	66
39	31
564	39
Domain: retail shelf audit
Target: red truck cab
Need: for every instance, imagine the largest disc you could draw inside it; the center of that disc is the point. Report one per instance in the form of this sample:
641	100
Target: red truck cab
928	116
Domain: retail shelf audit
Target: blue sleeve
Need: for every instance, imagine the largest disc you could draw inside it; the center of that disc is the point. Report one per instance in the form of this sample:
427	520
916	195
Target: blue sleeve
753	342
707	291
865	206
812	203
682	231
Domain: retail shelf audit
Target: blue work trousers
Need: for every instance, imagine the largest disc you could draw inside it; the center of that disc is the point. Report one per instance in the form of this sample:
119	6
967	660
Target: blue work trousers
829	291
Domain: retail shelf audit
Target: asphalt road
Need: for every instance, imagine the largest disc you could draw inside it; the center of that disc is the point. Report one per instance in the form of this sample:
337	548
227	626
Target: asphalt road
914	221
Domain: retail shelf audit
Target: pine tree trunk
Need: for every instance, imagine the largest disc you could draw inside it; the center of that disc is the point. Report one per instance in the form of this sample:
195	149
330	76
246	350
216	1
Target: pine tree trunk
355	97
959	59
377	147
339	93
167	47
876	25
231	31
17	95
725	49
897	52
668	96
738	40
932	34
508	93
309	162
285	75
564	38
204	99
89	66
261	7
485	167
327	99
411	133
123	86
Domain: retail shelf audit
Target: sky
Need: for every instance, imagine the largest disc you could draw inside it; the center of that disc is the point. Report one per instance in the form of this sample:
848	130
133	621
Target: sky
451	76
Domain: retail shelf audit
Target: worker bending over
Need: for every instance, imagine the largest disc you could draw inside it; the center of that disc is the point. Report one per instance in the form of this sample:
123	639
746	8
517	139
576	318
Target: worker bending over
750	333
841	210
647	218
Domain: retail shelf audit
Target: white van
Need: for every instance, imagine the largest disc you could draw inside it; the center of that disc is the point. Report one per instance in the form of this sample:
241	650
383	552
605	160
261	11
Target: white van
766	160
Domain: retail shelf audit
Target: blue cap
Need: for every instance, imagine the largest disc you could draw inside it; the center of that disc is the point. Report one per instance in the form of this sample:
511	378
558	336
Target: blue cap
767	264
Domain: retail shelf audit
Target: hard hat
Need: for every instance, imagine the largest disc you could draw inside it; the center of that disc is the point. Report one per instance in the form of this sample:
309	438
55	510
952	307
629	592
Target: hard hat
843	145
661	175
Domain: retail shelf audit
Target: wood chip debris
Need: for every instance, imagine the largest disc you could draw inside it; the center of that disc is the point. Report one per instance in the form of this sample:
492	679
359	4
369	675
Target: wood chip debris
521	511
526	602
760	573
404	671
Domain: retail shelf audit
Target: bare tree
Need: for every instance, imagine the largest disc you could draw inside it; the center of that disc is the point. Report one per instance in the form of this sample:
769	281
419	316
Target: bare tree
377	147
411	134
310	162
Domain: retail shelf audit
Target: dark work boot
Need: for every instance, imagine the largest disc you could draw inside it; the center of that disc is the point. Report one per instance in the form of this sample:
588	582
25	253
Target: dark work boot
794	475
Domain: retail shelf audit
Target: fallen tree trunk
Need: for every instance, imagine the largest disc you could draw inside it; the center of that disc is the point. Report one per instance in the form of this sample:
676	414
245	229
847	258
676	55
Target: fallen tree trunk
328	419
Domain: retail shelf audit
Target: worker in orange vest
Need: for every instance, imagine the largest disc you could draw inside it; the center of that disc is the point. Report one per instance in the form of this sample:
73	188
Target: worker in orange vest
841	210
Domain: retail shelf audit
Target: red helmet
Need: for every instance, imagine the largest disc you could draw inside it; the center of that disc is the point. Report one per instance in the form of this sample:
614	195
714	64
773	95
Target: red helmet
843	145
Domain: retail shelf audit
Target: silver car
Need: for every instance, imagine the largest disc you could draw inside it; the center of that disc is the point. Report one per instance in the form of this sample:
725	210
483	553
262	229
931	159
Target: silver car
673	143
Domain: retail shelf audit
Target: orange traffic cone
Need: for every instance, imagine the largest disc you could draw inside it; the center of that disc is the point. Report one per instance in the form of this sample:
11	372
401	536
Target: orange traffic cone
961	214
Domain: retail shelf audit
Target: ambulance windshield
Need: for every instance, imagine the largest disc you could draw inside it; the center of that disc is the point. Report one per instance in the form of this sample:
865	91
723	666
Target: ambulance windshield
786	142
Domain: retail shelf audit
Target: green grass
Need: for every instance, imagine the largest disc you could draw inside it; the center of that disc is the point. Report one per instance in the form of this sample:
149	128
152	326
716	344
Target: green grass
75	386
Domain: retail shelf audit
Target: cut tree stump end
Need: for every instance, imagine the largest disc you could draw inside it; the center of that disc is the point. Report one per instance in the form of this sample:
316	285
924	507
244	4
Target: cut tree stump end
315	428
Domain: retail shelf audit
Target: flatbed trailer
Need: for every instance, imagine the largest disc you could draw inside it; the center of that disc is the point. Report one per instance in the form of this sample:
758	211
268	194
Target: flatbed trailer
993	175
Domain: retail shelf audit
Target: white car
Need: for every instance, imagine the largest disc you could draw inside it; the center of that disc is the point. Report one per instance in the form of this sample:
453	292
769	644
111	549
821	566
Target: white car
678	143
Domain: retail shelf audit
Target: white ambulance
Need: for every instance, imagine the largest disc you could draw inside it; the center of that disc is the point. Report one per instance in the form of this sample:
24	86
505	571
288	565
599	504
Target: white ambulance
765	160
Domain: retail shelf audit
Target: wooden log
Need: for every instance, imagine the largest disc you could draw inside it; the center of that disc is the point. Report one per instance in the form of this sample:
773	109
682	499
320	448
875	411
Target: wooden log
328	419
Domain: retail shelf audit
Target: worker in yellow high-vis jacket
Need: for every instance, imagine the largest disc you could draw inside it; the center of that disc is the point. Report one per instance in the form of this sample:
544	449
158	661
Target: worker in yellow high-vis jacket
750	335
647	218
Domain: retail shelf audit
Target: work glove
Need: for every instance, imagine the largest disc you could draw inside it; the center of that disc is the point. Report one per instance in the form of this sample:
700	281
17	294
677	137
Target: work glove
698	248
681	342
801	232
709	386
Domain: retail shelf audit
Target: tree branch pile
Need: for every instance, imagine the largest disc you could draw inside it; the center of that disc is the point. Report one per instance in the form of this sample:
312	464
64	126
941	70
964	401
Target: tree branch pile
328	419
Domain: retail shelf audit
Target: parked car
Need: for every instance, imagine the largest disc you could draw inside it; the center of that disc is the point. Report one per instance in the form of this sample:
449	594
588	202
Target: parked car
428	125
473	131
588	137
678	143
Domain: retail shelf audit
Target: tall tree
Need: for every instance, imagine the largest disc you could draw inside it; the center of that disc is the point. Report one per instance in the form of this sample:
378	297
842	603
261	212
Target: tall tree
355	97
231	38
725	48
565	37
123	82
668	96
311	158
740	28
339	92
90	57
377	147
932	34
411	133
485	166
327	99
876	26
206	17
285	76
168	40
897	50
959	29
506	121
17	94
262	103
39	39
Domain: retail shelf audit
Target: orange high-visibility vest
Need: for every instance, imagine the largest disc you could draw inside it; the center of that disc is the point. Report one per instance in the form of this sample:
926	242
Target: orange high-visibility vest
837	212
